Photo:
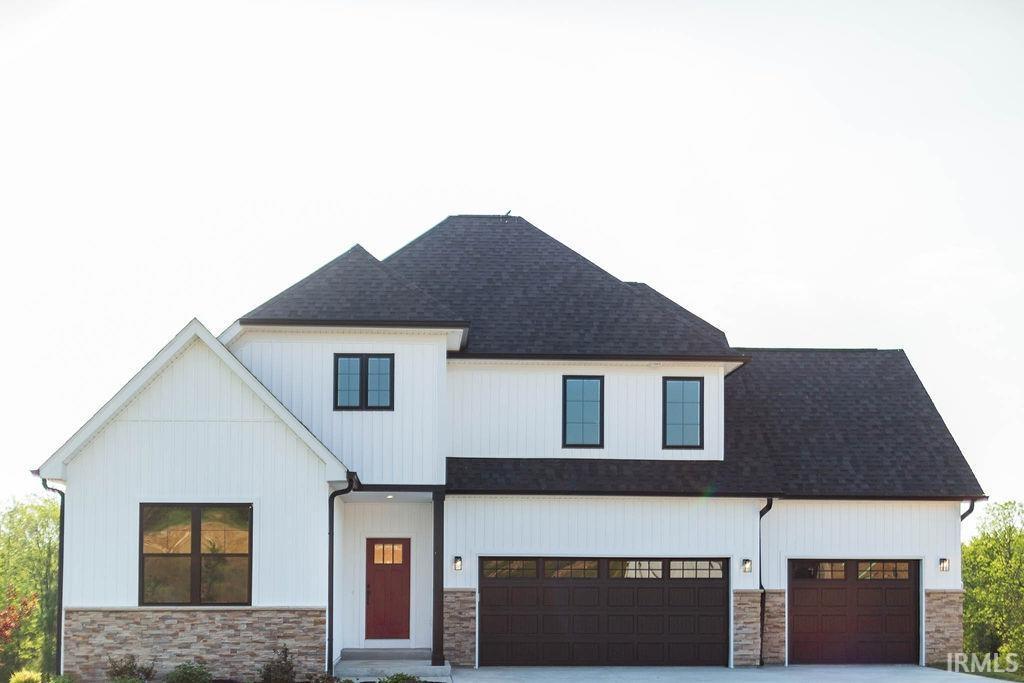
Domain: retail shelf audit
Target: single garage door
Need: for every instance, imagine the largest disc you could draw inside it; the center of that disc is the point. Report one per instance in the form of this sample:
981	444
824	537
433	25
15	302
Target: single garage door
853	612
609	611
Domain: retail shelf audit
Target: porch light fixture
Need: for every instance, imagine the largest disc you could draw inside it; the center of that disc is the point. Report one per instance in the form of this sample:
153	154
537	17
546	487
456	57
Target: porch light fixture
389	496
457	563
748	566
943	564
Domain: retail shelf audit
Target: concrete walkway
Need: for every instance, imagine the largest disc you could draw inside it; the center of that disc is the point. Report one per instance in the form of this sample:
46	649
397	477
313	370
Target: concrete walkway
769	674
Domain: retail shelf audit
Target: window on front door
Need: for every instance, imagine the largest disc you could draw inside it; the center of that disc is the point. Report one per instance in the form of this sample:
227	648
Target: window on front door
364	381
195	554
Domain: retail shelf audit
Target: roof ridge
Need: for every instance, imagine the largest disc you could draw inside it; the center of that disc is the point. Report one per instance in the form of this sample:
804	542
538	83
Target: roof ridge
865	349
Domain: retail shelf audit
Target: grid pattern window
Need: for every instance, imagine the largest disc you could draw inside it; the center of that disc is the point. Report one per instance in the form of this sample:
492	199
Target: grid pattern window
387	553
195	554
683	412
364	381
510	569
571	569
825	570
883	570
583	412
695	569
634	569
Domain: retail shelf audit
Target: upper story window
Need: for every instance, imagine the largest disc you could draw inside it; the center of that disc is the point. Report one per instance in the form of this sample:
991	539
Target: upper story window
195	554
364	381
582	412
682	412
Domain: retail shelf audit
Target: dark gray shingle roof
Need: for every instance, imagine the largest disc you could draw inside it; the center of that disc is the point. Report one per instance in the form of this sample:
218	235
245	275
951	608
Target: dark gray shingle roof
354	288
525	293
799	423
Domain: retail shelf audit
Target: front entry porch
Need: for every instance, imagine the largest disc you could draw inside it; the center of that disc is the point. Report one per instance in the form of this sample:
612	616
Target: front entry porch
388	602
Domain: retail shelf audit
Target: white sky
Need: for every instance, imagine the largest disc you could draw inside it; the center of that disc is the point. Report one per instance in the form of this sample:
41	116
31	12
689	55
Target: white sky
799	173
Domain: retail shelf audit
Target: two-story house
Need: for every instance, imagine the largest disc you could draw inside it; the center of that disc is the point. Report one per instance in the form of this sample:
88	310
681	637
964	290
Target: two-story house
488	450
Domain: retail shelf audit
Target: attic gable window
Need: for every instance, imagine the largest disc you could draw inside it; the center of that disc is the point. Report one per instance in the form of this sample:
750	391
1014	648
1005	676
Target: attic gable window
364	381
582	411
682	412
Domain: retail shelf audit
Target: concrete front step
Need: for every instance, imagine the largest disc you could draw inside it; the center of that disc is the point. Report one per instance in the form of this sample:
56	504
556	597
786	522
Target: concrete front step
364	670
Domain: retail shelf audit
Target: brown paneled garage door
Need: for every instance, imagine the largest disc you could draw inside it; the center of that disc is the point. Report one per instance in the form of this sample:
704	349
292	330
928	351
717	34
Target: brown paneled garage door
608	611
853	612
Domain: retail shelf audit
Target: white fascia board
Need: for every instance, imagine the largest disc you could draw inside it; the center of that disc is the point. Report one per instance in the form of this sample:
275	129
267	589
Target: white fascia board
455	337
54	467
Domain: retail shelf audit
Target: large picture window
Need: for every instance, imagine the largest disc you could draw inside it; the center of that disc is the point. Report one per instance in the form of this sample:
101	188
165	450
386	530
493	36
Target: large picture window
364	381
582	412
682	412
195	554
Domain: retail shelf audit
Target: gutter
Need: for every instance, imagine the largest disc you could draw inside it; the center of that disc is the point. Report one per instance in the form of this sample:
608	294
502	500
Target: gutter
760	577
352	478
60	579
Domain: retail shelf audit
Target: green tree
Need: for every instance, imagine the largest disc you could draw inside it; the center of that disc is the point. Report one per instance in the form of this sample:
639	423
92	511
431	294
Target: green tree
993	567
28	568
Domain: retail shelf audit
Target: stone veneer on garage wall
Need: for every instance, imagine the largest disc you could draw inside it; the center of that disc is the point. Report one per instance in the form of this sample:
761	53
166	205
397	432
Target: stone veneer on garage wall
943	624
746	627
232	642
773	645
460	626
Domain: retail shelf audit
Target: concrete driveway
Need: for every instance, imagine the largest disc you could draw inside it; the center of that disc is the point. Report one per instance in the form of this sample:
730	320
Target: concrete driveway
770	674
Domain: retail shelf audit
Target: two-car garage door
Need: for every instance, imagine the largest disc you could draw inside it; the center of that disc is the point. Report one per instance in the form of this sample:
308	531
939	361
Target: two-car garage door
853	612
603	611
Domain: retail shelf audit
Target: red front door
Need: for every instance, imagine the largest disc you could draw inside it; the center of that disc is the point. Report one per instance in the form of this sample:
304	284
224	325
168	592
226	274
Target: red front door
387	587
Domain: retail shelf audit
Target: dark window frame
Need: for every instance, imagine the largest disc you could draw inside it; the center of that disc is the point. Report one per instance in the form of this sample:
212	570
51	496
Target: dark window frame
364	365
565	412
195	555
664	414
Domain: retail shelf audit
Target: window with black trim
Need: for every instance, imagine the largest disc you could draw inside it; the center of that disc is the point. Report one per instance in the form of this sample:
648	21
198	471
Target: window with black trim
825	570
582	411
867	571
195	554
510	569
364	381
634	569
570	569
682	409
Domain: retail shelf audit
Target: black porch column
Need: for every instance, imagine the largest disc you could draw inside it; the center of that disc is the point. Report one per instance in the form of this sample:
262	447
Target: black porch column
437	646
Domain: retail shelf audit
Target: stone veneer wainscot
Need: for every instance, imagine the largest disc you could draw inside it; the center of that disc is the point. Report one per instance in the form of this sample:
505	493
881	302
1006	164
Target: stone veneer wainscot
460	626
746	627
231	641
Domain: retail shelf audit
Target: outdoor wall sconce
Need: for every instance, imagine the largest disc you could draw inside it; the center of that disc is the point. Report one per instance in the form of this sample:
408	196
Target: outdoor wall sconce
748	566
457	563
943	564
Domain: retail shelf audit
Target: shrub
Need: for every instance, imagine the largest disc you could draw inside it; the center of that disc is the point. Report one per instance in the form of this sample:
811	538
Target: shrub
128	667
189	672
26	676
322	677
399	678
280	669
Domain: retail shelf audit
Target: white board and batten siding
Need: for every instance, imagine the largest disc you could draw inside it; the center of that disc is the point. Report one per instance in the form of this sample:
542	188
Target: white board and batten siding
598	526
196	434
401	446
513	409
868	530
354	524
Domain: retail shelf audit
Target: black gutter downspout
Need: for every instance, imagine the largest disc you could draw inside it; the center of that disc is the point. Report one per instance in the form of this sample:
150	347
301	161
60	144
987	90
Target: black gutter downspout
330	569
59	621
437	636
970	509
760	576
